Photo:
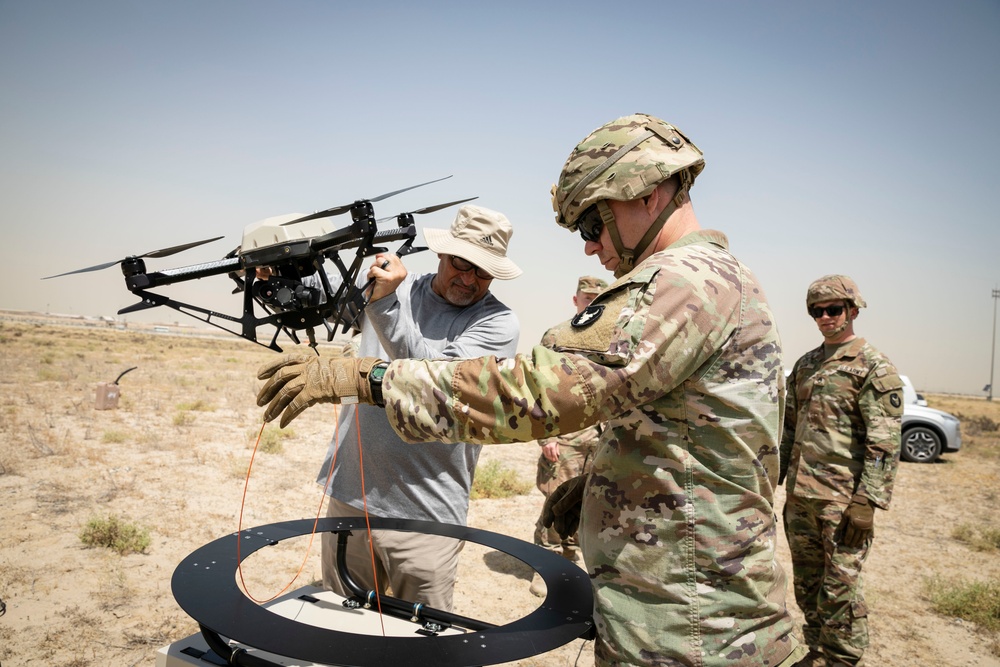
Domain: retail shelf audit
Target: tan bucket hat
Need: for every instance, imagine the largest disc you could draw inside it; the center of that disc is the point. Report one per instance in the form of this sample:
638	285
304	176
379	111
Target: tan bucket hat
480	236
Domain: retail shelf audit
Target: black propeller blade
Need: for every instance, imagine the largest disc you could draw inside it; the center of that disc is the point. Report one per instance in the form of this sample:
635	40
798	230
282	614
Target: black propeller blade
337	210
163	252
427	209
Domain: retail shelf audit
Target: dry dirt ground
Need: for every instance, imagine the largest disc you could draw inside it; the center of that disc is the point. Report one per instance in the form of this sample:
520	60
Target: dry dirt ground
173	455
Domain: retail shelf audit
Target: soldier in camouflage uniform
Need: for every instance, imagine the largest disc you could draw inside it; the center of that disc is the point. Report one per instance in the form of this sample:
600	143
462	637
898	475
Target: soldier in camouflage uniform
565	456
681	360
840	450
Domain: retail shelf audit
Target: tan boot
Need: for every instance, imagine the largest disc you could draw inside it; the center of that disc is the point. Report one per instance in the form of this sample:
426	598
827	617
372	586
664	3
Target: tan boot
538	588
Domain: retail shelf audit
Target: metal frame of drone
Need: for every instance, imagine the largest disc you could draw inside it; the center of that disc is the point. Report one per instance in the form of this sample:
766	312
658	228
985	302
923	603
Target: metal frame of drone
205	586
291	305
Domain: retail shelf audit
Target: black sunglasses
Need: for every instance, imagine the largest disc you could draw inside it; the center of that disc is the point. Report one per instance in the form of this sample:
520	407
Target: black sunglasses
590	223
833	311
465	266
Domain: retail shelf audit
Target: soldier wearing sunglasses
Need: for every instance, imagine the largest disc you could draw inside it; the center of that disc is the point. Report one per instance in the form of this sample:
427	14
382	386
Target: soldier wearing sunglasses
680	360
840	451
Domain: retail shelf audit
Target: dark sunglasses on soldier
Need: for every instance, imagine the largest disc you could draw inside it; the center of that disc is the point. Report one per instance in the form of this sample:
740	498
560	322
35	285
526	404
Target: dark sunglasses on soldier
465	266
590	224
833	311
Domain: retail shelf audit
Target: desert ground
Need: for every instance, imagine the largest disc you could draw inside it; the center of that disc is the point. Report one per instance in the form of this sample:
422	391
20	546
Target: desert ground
172	458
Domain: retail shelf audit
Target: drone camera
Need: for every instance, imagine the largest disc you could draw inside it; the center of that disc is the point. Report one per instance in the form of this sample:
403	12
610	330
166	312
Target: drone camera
285	295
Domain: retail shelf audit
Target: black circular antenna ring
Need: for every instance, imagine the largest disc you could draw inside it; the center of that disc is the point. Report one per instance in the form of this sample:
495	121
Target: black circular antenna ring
205	586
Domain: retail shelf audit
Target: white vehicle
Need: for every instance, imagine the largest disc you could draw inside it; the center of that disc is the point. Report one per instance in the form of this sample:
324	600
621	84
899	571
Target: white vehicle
927	432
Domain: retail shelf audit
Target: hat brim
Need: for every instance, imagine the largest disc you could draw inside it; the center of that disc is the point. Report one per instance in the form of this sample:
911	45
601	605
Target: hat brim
500	267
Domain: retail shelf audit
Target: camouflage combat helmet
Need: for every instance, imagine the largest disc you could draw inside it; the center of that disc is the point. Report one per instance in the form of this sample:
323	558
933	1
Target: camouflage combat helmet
834	288
623	160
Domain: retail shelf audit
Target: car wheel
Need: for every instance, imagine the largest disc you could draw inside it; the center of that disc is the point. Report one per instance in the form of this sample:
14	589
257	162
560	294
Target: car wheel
920	445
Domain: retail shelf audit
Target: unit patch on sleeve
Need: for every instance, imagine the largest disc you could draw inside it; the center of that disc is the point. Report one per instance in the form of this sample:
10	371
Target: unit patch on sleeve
588	316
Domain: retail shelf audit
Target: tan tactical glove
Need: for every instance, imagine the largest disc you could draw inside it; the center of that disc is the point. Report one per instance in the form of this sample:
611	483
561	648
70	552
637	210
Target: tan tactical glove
296	382
859	517
562	508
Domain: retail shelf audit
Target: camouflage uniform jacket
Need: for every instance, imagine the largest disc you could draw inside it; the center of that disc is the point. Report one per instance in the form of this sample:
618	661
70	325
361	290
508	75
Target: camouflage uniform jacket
842	424
681	359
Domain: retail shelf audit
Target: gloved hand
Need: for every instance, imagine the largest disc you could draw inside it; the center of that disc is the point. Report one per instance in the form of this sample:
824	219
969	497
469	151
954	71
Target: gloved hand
296	382
859	517
562	508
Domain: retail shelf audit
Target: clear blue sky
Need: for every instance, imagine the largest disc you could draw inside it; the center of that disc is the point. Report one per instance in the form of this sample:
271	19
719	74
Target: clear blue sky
847	137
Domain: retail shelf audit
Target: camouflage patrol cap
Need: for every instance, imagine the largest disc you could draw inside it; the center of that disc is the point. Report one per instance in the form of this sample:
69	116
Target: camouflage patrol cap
591	285
833	288
623	160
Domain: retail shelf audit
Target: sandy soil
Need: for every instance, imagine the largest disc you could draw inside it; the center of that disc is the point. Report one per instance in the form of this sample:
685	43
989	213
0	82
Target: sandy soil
173	456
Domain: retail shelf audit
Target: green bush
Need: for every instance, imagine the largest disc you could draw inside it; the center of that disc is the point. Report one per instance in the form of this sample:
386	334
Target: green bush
494	480
975	601
270	439
115	534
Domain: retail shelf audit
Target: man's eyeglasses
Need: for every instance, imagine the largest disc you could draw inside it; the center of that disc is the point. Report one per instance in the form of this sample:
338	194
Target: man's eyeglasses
816	312
465	266
590	223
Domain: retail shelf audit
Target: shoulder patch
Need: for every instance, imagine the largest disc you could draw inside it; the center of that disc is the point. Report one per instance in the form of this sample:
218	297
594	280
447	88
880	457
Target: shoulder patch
588	316
596	331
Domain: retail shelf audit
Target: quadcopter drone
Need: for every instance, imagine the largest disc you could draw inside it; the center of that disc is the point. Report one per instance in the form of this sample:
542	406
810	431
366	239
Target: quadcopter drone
298	294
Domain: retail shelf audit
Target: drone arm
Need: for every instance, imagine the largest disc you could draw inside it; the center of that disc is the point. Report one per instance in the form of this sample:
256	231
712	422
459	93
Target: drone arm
140	281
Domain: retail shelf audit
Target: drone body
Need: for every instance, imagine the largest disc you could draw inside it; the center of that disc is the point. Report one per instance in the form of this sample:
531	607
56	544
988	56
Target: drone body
290	250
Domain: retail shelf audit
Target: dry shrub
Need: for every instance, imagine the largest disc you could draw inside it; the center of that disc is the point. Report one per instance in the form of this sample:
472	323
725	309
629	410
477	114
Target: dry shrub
120	536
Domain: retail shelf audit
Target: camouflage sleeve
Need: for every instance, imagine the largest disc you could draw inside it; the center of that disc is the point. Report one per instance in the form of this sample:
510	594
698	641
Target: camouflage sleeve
789	425
881	404
656	328
490	400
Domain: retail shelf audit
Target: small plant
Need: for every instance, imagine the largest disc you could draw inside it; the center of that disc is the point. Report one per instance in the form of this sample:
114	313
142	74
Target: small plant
271	439
981	539
183	419
116	437
494	480
974	601
113	533
196	406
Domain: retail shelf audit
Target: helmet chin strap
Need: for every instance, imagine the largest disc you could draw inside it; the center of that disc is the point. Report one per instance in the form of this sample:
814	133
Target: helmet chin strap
833	333
627	256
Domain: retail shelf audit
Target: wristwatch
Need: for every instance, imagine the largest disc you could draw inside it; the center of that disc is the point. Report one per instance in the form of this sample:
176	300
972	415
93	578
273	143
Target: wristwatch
375	376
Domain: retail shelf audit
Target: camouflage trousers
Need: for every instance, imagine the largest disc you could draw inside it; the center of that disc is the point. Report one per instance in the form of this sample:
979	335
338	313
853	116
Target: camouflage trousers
827	577
572	462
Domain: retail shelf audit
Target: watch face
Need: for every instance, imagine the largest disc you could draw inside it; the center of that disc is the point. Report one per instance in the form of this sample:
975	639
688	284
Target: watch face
378	373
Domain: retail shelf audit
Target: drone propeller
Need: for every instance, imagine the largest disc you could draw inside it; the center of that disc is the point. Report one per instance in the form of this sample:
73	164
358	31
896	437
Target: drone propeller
163	252
426	209
337	210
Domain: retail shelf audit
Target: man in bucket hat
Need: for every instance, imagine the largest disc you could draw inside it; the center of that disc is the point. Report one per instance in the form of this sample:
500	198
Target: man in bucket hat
450	313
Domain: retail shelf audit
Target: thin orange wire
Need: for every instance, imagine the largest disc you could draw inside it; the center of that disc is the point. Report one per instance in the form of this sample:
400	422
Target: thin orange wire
312	535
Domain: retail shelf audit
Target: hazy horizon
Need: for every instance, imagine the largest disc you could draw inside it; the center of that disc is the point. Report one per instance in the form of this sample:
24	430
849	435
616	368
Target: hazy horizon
855	138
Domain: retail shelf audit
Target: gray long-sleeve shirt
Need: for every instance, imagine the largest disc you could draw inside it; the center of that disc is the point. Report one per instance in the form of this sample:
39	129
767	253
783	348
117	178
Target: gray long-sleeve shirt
430	482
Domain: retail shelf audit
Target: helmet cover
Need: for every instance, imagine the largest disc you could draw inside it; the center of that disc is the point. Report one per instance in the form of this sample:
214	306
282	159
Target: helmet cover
623	160
834	288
